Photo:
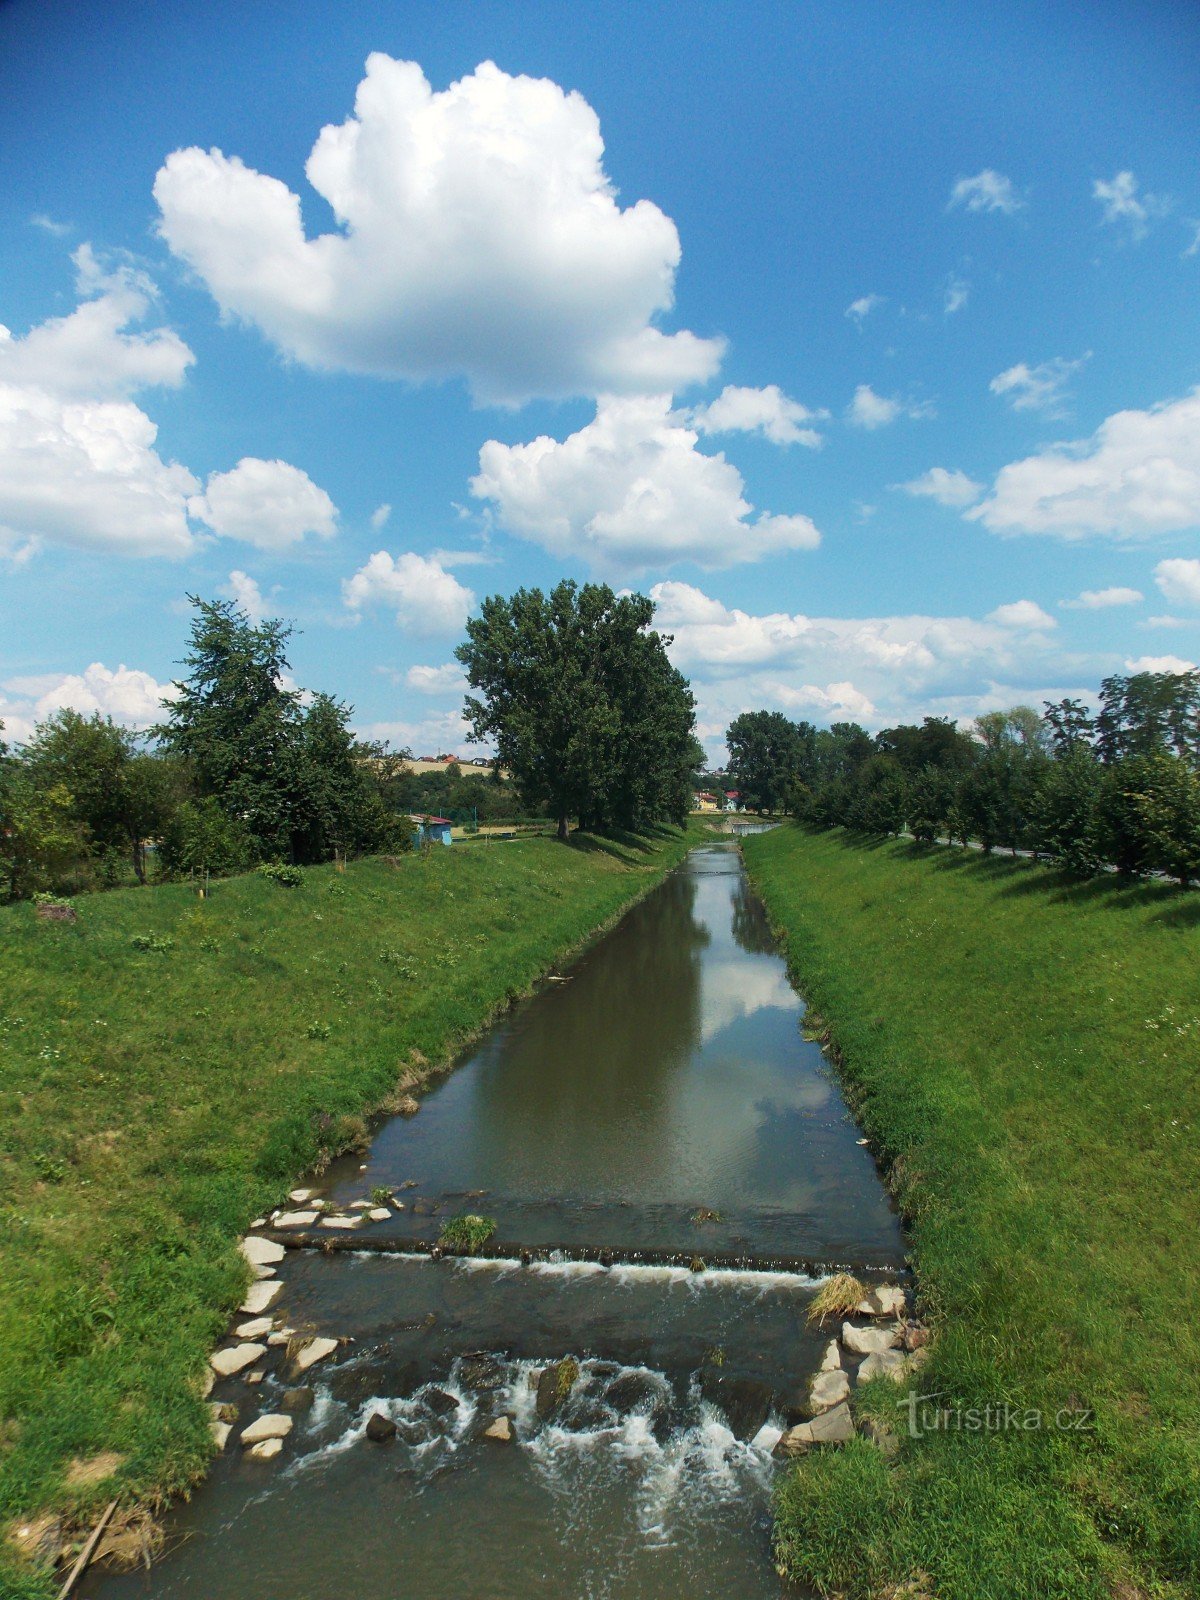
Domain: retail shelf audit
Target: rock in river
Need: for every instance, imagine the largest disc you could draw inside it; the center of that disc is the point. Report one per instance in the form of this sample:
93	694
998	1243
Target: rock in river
745	1401
312	1351
831	1427
555	1384
259	1296
500	1430
868	1341
262	1252
828	1389
273	1425
234	1359
380	1428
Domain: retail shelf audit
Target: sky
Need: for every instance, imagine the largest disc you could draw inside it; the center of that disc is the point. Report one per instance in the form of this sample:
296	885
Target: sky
863	338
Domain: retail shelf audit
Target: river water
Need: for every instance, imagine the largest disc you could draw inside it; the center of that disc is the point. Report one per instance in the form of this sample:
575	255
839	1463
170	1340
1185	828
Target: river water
666	1077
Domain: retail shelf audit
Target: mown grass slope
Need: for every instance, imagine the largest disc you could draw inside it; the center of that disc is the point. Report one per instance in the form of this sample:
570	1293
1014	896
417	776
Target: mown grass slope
1024	1050
169	1066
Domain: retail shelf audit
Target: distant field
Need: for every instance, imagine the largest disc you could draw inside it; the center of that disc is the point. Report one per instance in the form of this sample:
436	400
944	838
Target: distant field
1024	1051
169	1066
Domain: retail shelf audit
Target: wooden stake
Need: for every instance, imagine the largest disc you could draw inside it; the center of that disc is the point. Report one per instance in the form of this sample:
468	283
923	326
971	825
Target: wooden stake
85	1555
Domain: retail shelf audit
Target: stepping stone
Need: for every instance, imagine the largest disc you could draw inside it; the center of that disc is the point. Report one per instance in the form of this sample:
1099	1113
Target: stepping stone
235	1359
892	1364
266	1450
281	1336
259	1296
274	1425
341	1222
295	1219
379	1214
360	1205
262	1252
255	1328
300	1195
828	1389
312	1352
868	1341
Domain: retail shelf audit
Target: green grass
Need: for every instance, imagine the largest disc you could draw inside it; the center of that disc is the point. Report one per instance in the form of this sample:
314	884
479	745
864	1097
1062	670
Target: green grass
1024	1050
170	1066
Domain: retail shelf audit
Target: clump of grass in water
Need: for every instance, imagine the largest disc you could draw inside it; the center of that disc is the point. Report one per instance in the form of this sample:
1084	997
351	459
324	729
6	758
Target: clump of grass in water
468	1232
837	1297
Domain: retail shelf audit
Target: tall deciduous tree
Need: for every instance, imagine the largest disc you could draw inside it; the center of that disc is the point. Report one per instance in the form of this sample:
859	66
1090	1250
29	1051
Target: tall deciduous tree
584	708
767	757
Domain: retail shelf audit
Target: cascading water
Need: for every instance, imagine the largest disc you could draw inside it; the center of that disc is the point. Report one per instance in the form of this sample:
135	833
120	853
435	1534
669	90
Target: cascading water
661	1104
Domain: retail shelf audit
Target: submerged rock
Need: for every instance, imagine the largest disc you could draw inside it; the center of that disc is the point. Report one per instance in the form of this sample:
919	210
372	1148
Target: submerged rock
554	1386
481	1370
380	1428
635	1391
439	1402
868	1341
297	1399
746	1402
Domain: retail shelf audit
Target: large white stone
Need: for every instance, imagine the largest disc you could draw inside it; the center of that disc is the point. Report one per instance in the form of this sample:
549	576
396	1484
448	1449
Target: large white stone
265	1450
828	1389
501	1430
360	1205
236	1358
831	1427
262	1252
255	1328
341	1222
274	1425
312	1352
832	1359
295	1219
300	1195
379	1214
892	1364
885	1301
868	1341
259	1296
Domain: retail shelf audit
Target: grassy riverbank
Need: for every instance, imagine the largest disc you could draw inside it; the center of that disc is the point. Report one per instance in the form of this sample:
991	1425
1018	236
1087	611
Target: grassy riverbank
1024	1051
169	1066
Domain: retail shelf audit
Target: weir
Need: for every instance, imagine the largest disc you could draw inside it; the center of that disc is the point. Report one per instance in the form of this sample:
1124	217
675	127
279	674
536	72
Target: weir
671	1170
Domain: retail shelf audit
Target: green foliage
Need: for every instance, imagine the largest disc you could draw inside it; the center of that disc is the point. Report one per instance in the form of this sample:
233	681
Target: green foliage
584	708
155	943
1021	1047
282	873
201	838
151	1108
467	1232
43	845
766	753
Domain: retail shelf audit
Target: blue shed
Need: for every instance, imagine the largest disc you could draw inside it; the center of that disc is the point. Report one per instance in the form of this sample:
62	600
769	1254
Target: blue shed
435	829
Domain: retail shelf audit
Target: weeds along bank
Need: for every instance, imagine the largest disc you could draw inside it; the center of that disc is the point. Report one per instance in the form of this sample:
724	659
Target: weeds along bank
1024	1051
169	1066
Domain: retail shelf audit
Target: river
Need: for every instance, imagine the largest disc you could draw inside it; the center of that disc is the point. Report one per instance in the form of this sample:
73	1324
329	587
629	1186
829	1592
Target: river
658	1109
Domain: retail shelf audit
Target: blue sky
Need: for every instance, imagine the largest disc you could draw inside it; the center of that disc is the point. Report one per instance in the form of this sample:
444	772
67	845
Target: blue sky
863	337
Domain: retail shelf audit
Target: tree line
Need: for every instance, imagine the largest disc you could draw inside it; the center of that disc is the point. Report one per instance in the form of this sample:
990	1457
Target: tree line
1118	789
574	688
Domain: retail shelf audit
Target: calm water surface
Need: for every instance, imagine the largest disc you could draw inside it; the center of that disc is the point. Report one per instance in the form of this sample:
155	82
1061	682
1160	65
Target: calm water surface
668	1074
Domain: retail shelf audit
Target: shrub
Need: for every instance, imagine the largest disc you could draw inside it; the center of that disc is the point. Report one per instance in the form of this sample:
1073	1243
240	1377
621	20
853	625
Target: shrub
467	1233
282	873
152	943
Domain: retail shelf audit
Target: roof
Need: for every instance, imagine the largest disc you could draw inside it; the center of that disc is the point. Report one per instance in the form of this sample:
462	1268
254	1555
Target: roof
443	822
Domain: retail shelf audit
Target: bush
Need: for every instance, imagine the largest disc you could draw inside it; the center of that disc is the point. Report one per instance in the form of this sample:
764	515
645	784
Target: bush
201	838
467	1233
282	873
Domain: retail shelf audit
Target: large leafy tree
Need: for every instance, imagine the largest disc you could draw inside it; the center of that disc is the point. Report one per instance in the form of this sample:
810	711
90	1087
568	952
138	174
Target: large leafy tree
584	708
1149	713
768	757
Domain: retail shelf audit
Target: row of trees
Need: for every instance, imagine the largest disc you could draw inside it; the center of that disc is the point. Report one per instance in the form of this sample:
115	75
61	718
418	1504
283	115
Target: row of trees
243	769
1119	789
575	690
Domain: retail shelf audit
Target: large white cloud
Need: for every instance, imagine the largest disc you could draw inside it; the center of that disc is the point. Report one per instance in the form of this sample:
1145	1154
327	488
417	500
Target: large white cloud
447	679
769	411
478	234
1136	477
1179	580
265	503
424	596
871	669
130	697
630	491
88	354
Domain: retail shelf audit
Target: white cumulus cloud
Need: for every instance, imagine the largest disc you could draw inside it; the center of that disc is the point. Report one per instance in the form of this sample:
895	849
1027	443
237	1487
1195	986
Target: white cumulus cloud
1136	477
425	597
1124	207
948	488
1179	580
269	504
244	591
380	515
630	491
1103	599
447	679
1026	614
870	410
1040	388
986	191
477	234
1160	664
767	411
130	697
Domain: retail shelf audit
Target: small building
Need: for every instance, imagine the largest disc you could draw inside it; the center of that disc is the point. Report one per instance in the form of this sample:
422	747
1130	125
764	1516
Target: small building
706	801
436	829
